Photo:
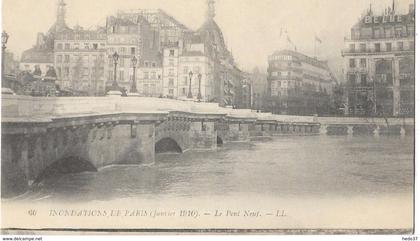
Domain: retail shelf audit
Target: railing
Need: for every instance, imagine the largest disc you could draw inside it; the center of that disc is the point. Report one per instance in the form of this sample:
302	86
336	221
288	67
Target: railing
379	38
26	108
373	51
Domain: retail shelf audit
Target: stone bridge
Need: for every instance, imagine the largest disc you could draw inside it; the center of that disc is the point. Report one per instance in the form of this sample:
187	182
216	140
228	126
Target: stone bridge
48	136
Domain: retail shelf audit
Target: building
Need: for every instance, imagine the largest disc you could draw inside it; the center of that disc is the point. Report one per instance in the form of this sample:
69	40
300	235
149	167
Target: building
130	36
298	84
169	30
225	76
198	61
379	64
79	57
42	54
259	89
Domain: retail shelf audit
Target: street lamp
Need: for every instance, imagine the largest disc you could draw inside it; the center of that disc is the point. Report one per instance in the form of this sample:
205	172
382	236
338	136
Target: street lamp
115	57
115	89
133	85
4	38
190	96
199	97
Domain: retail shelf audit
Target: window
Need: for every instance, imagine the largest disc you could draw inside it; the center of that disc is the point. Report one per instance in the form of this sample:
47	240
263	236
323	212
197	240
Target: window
172	52
377	33
352	79
95	46
363	47
153	65
59	72
153	75
363	79
352	63
363	63
274	74
122	50
171	72
66	58
412	46
86	45
388	32
398	32
171	92
146	75
67	46
377	47
122	62
400	46
133	51
146	64
171	82
59	58
85	71
121	75
389	79
76	46
388	47
352	47
184	91
171	62
60	46
196	69
66	72
185	70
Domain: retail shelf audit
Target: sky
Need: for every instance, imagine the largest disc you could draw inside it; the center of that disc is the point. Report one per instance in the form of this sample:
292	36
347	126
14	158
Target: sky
251	28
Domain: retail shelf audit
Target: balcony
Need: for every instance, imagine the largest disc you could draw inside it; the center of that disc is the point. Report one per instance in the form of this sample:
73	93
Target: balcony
355	52
288	77
381	37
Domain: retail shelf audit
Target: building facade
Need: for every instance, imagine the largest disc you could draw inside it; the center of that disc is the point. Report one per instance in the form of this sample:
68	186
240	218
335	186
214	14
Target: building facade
379	64
170	59
298	84
79	60
169	30
129	36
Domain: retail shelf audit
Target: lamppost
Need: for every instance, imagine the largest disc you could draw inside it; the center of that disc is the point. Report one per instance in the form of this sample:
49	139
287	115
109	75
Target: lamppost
4	38
115	89
199	97
133	89
190	96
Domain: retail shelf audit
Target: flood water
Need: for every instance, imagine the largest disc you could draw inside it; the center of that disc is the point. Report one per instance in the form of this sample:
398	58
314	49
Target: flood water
296	167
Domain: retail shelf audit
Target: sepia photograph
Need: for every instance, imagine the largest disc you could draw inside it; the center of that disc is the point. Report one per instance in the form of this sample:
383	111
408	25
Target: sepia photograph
278	117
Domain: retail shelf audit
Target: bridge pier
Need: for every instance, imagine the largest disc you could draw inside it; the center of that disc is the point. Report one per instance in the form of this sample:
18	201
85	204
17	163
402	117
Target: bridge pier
323	129
350	130
203	135
402	131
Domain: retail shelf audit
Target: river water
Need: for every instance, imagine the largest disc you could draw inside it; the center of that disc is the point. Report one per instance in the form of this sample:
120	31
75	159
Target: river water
313	169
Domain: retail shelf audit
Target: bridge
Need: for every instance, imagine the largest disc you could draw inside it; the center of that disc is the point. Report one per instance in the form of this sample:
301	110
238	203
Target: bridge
44	136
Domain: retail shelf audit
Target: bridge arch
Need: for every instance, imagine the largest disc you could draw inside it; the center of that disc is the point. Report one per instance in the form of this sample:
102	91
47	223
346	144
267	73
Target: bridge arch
167	144
66	165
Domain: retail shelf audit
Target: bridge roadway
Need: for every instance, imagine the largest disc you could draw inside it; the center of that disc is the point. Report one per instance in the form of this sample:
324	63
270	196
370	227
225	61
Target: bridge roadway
41	136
